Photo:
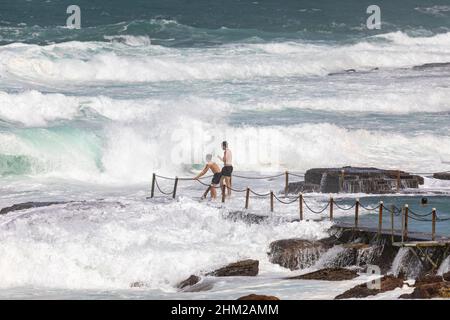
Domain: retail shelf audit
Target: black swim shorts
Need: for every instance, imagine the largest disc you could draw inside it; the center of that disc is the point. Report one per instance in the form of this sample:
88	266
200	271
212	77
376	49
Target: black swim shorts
227	170
216	178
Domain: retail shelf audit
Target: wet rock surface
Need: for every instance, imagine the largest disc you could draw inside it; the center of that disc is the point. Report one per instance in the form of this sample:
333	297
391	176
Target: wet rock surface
429	287
388	283
258	297
248	268
355	180
296	253
328	274
28	205
193	279
442	175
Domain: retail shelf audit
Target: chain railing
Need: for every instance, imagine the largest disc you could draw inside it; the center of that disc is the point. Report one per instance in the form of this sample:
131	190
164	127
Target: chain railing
406	213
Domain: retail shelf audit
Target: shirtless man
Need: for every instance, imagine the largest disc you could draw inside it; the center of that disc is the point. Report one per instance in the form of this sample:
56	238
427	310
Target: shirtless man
211	165
227	169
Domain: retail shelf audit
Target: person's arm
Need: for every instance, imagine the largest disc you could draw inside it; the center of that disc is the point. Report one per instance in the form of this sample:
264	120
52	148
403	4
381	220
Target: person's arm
202	173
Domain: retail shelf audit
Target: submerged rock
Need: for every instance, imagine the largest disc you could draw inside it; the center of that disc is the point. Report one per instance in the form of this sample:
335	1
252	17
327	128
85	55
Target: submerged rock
249	268
193	279
442	175
137	284
258	297
28	205
328	274
388	283
296	253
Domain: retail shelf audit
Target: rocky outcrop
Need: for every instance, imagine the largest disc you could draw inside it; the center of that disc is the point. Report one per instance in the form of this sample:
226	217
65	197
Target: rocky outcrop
328	274
247	268
429	287
296	253
442	175
388	283
355	180
258	297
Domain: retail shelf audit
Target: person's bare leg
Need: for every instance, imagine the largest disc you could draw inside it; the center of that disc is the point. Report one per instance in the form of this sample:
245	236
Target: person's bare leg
213	192
222	181
228	181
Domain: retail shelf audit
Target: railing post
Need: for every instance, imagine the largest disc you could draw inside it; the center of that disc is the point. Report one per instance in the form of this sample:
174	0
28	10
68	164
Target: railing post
433	225
380	218
300	204
405	230
392	222
247	197
356	213
175	187
152	193
331	208
223	193
271	201
286	185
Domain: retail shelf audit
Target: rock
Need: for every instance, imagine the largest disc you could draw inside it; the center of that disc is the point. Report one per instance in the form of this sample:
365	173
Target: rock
427	279
248	218
296	253
301	186
446	276
247	268
188	282
442	175
355	180
429	290
388	283
432	65
329	274
137	284
28	205
258	297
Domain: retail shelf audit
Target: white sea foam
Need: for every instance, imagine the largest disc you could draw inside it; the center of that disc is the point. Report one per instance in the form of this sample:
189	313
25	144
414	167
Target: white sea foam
105	245
237	61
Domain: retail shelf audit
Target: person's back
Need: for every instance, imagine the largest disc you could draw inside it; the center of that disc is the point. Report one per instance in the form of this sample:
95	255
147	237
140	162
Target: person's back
214	167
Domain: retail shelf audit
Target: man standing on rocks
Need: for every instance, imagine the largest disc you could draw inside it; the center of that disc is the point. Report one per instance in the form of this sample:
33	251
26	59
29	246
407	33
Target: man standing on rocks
227	169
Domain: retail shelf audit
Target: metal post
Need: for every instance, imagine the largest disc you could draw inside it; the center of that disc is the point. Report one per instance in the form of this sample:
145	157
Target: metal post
247	196
223	193
405	236
380	218
433	225
356	213
175	187
271	201
152	193
392	222
331	208
286	185
300	204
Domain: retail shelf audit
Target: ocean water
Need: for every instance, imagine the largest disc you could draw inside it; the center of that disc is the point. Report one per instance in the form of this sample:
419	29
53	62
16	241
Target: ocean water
152	86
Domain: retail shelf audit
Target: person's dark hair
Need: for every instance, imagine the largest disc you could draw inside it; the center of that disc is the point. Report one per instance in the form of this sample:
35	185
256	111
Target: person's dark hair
224	144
